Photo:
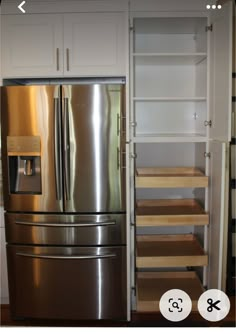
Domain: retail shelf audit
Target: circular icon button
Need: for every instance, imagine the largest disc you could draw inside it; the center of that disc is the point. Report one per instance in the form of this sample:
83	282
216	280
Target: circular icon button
213	305
175	305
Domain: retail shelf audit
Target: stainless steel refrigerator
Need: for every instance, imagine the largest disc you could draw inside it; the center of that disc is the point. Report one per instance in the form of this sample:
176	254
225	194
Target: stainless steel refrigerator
63	156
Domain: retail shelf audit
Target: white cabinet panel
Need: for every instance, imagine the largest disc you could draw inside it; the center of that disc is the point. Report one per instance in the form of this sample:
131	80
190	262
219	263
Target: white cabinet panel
1	216
4	282
167	5
32	45
94	44
221	73
64	6
217	210
91	44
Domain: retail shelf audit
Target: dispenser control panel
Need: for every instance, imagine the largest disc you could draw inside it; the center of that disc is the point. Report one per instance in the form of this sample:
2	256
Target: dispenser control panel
23	145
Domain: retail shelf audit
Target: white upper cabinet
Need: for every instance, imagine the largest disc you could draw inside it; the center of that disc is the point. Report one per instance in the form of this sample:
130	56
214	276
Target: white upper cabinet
94	44
56	45
221	73
32	45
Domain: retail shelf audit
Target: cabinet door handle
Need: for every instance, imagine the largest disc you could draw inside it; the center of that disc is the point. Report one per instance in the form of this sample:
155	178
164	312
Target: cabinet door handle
67	59
58	65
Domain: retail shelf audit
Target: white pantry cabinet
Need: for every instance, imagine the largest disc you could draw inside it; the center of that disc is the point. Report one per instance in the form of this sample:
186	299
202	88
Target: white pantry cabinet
63	45
180	128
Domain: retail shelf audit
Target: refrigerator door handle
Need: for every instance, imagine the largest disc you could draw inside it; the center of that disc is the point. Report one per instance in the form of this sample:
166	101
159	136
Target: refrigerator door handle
57	55
68	59
57	151
80	224
64	257
67	148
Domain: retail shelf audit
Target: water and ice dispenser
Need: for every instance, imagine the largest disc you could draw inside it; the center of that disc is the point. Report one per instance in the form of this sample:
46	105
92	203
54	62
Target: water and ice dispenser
24	163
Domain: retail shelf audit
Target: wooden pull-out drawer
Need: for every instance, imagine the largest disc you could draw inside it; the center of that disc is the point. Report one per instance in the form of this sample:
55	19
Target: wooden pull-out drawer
169	251
170	212
152	285
179	177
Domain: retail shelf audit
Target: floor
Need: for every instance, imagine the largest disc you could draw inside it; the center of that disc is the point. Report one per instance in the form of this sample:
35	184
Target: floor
138	320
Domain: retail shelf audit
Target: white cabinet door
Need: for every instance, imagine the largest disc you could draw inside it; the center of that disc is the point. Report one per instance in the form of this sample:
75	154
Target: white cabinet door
94	44
4	282
221	73
218	223
32	45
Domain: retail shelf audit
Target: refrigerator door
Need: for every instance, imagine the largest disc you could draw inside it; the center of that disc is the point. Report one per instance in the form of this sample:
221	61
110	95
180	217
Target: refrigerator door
68	282
94	147
31	140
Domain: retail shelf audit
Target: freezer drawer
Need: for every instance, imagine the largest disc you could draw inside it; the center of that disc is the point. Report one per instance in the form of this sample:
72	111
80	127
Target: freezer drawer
67	282
86	230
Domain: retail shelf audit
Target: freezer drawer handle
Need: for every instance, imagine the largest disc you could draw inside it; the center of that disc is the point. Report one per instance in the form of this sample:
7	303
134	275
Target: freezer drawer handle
81	224
64	257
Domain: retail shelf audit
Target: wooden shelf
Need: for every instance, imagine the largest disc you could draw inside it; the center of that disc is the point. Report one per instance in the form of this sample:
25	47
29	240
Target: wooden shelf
179	177
151	286
169	251
170	212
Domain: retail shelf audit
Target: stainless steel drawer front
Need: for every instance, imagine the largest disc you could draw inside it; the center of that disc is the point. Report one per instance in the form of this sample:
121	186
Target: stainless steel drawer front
39	229
68	282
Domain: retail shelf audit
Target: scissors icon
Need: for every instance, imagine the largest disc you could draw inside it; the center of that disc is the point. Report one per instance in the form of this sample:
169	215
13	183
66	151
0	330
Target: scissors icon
212	305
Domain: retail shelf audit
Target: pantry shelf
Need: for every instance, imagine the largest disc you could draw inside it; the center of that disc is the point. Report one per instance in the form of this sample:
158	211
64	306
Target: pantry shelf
170	212
158	59
152	285
170	138
177	177
153	251
169	98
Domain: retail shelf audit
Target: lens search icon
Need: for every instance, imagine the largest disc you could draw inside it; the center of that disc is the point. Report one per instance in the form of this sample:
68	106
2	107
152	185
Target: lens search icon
175	305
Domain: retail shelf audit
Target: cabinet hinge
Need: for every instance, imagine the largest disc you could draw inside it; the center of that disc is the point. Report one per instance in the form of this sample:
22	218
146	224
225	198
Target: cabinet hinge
207	155
131	28
209	28
208	123
133	155
226	158
133	124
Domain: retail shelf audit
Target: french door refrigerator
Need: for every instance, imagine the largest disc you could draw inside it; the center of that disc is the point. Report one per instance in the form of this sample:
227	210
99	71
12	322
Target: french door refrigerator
63	157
